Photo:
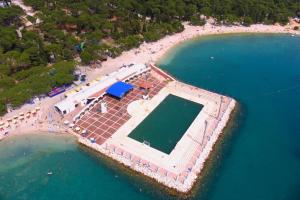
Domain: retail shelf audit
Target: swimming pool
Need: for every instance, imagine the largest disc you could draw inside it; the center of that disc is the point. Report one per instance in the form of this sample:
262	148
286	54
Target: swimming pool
167	123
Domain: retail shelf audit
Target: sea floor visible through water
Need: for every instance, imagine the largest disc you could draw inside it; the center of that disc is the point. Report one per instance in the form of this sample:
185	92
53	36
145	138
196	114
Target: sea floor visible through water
258	159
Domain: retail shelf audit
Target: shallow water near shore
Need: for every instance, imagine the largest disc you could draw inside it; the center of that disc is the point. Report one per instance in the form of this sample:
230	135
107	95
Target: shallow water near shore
259	160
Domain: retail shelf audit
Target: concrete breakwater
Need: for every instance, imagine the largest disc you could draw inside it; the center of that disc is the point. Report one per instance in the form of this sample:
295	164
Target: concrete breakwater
181	182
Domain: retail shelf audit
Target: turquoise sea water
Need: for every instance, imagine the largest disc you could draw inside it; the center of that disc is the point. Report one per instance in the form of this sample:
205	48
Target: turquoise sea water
258	160
164	127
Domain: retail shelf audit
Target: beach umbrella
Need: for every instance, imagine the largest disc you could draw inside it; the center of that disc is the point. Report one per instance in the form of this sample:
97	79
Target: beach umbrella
28	115
33	111
93	82
77	89
21	114
84	132
21	118
71	125
70	93
7	125
99	78
9	119
66	122
77	129
15	121
1	128
37	108
1	123
15	117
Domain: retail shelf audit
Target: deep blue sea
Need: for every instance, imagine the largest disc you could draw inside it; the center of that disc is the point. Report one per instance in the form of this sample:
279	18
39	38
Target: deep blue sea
258	159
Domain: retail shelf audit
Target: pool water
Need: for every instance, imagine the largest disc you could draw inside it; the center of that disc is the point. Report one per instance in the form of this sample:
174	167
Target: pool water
167	123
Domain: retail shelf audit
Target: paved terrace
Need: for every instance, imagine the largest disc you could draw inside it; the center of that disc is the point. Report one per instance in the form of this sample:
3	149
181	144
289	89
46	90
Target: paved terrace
180	168
194	140
102	126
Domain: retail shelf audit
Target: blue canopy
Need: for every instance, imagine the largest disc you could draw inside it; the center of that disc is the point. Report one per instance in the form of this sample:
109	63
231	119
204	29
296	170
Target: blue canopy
119	89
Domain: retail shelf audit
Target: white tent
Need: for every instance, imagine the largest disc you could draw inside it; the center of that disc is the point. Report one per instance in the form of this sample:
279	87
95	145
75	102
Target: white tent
71	102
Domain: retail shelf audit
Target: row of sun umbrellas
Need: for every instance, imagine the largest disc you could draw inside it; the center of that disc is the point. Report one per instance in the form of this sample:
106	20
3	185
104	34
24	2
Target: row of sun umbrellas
21	116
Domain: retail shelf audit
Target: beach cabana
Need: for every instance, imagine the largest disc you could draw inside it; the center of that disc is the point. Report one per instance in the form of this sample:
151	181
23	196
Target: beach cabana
119	89
66	122
71	125
84	132
77	129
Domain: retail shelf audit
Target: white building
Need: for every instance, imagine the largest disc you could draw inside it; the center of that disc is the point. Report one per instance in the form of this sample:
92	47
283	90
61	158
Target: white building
84	96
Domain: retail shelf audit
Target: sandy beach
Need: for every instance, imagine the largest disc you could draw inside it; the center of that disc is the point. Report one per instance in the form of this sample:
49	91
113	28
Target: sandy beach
152	52
48	120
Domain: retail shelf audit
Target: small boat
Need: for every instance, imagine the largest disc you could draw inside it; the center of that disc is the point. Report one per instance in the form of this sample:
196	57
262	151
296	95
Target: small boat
212	57
50	173
293	35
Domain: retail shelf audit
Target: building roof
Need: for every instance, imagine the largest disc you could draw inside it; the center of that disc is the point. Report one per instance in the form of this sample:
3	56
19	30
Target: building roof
119	89
106	81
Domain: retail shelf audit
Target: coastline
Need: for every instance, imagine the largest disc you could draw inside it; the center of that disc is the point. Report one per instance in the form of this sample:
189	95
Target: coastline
146	53
209	165
217	149
153	52
166	45
209	30
35	132
172	50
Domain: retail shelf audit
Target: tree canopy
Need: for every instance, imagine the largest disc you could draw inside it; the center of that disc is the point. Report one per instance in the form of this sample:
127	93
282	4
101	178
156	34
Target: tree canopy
106	28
